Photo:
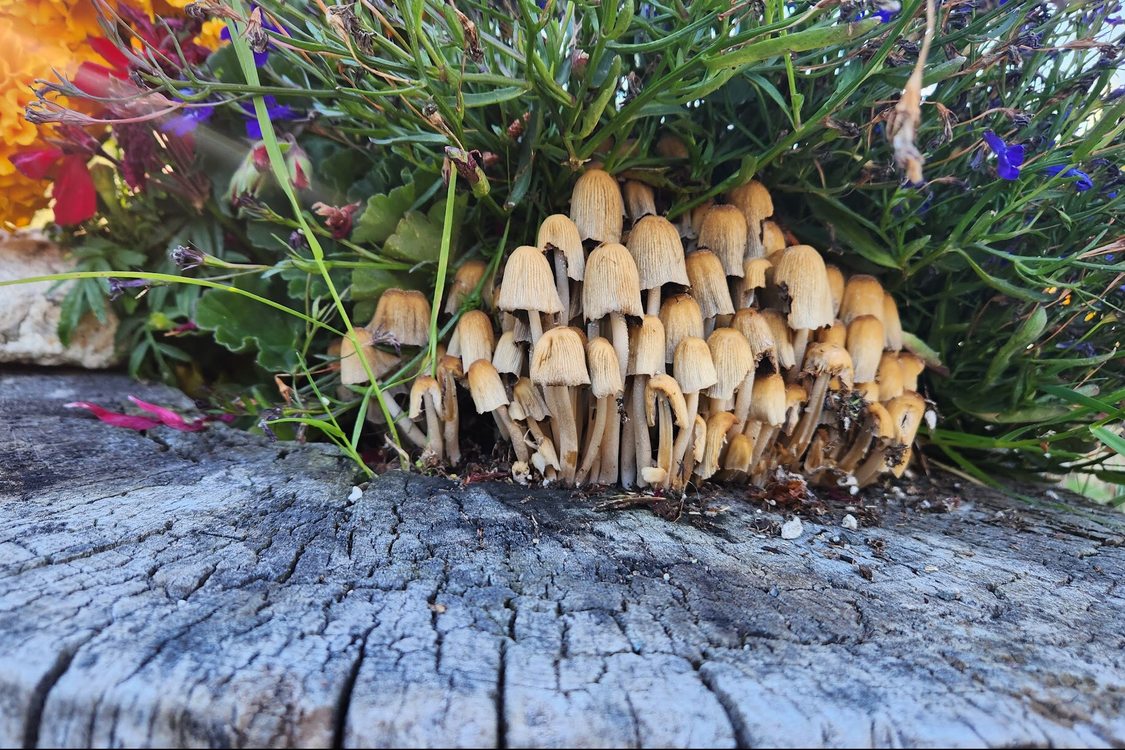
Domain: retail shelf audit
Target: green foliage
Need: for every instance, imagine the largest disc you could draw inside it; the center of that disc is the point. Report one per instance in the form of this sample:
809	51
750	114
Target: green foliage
1014	286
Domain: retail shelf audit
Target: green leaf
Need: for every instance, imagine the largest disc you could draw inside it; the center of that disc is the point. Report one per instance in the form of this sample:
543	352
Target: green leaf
370	283
917	346
241	324
416	239
801	41
1111	476
852	233
381	217
71	310
1025	336
1110	439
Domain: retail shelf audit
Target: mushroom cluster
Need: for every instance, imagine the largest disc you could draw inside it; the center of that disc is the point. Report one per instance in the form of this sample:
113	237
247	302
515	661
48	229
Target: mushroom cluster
623	348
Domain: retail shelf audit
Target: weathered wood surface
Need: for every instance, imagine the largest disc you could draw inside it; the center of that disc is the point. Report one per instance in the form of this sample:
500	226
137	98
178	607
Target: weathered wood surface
214	589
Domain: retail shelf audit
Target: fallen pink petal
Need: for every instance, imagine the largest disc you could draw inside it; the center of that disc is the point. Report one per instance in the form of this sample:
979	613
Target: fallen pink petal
170	418
128	421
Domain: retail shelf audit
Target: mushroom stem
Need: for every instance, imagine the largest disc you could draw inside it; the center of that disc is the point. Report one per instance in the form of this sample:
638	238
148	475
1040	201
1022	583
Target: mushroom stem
742	402
807	426
641	436
402	421
535	323
762	444
664	446
562	415
683	439
433	429
857	450
652	306
611	447
870	469
628	466
800	344
516	434
594	440
562	283
619	335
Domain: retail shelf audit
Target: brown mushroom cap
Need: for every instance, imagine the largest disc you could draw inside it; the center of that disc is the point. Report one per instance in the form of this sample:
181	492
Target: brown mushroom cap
912	366
867	391
671	146
352	371
692	365
865	345
667	386
773	239
560	359
486	387
423	385
836	284
508	357
465	282
837	334
754	200
639	199
596	206
530	400
829	359
754	273
605	371
882	422
559	232
758	332
724	232
656	247
709	284
786	357
647	348
768	401
891	323
474	337
889	376
733	359
863	295
800	270
681	317
907	411
405	314
611	284
528	283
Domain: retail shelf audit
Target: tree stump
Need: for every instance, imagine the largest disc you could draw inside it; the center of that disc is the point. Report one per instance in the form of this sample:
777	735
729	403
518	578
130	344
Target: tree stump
214	589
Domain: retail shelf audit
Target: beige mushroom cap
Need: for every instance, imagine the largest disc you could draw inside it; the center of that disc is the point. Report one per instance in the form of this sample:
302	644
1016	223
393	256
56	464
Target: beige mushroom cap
659	252
681	317
473	338
405	314
508	357
724	232
605	370
528	283
889	376
666	386
773	239
767	403
865	345
424	385
800	270
709	284
465	282
836	284
647	348
596	206
560	359
486	387
733	359
611	284
559	232
863	295
760	334
891	323
639	199
692	365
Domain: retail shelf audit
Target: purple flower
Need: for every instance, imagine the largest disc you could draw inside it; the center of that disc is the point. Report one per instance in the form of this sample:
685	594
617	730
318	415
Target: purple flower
261	57
1008	158
117	287
1082	184
188	120
277	113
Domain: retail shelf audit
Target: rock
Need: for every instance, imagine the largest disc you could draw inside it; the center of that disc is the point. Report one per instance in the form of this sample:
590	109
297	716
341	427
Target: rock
215	589
792	529
849	522
29	313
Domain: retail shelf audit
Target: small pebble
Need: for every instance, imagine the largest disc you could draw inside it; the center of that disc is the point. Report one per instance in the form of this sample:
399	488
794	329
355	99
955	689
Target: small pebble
667	577
792	529
355	494
849	522
930	568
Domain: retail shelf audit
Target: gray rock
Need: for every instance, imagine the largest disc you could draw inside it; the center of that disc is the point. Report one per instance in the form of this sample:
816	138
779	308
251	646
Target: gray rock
213	589
29	313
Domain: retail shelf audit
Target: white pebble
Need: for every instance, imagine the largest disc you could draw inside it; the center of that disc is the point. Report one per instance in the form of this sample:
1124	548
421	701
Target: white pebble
849	522
792	529
355	494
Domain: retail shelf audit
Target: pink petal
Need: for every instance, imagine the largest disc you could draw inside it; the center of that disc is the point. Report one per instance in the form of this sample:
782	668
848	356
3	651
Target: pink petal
170	418
115	418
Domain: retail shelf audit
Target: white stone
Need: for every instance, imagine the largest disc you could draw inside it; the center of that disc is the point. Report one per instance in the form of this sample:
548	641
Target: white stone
849	522
355	494
29	313
792	528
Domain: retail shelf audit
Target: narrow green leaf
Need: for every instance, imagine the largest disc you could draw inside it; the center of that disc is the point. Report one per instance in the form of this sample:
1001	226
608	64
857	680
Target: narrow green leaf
1110	439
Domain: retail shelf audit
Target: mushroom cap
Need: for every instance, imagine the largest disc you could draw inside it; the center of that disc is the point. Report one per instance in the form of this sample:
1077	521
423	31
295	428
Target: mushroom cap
912	366
718	425
800	270
596	206
671	146
892	325
464	282
519	327
754	272
867	391
560	359
733	359
837	334
865	345
508	357
767	402
611	284
559	232
836	284
640	200
659	252
889	376
786	357
907	411
352	371
666	386
724	232
698	214
759	334
739	453
474	338
405	314
882	423
709	284
863	295
528	283
692	366
681	317
424	385
605	370
530	400
486	387
773	239
647	347
828	359
795	397
754	200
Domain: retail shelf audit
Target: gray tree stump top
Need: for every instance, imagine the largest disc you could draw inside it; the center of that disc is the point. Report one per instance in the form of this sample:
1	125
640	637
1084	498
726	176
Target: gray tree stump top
212	589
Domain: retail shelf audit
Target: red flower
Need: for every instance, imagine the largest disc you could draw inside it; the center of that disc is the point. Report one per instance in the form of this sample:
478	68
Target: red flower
75	196
161	416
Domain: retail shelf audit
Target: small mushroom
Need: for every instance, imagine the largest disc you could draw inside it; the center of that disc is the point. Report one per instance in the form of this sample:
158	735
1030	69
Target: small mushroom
724	232
708	287
640	201
682	318
529	287
427	391
606	383
863	295
473	338
403	314
489	397
612	290
754	200
656	247
801	274
718	425
558	364
836	284
773	239
912	366
558	235
865	346
646	358
694	371
663	395
465	282
824	362
891	323
596	206
889	376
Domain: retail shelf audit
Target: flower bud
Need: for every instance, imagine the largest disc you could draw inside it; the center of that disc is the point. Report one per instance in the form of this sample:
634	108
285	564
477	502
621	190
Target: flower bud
299	167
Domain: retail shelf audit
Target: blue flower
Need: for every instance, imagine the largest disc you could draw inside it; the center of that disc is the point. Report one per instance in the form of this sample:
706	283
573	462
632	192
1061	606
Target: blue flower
260	58
1008	158
188	118
1082	184
277	113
